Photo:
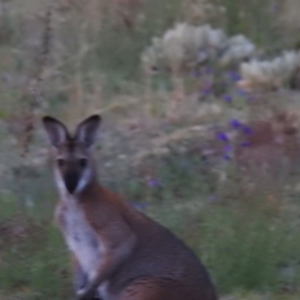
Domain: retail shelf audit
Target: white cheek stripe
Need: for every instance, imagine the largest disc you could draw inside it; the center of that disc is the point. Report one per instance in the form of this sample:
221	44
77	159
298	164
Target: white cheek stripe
60	182
84	180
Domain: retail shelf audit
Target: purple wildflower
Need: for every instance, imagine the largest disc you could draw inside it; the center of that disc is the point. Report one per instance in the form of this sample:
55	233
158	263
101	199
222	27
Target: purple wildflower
222	136
153	183
227	98
139	206
208	70
235	123
227	148
241	92
245	144
226	157
207	89
196	74
234	76
247	130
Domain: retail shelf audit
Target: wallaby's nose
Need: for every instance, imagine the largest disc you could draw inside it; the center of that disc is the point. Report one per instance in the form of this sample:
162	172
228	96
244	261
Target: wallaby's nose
71	181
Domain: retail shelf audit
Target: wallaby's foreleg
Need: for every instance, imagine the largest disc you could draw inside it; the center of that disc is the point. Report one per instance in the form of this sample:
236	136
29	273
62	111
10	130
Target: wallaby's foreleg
112	255
80	278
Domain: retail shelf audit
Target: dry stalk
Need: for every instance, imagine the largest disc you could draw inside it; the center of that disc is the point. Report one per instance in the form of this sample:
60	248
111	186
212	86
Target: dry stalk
35	86
29	117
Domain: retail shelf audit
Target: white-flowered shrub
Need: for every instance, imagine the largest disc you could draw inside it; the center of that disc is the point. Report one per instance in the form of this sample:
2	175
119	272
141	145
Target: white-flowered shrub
238	48
273	73
185	46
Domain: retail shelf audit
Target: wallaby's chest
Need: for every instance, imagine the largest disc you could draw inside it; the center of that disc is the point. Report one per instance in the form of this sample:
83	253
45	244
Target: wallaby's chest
80	236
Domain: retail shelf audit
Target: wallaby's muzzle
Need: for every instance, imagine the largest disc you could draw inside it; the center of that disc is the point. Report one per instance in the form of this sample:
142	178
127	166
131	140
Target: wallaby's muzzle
71	181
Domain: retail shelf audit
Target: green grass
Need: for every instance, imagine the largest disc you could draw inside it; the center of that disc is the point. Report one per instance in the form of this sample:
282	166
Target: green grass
247	242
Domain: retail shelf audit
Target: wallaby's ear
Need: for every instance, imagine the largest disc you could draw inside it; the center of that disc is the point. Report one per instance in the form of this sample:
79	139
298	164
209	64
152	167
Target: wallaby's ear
86	131
57	131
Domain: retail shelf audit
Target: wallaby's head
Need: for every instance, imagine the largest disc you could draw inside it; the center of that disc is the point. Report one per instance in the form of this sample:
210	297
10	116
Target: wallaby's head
73	164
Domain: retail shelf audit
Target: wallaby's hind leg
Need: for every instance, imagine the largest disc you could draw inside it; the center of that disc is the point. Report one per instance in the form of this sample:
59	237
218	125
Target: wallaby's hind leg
155	289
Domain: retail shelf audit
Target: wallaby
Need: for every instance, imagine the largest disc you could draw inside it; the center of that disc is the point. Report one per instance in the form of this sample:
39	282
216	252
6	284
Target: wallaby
118	252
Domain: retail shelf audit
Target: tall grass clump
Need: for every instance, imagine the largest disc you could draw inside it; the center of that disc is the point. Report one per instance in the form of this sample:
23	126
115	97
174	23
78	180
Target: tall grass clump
248	249
245	234
245	247
258	20
119	48
33	261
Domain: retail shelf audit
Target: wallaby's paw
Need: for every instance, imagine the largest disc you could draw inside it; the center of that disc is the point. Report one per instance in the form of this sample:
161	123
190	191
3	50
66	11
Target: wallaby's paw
85	294
82	295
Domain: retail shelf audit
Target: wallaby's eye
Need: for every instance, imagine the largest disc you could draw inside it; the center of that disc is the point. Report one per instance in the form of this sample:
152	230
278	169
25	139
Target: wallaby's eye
60	162
82	162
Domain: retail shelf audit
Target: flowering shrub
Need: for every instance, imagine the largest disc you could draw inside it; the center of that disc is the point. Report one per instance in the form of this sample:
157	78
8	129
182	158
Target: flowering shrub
185	46
273	73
